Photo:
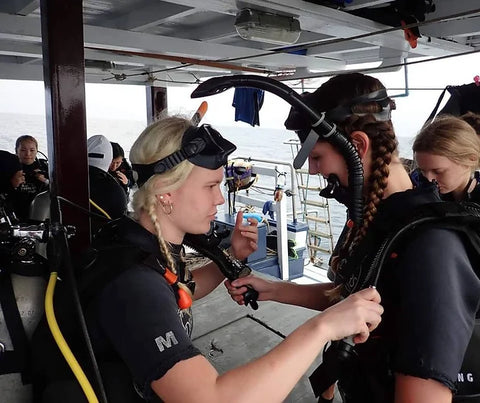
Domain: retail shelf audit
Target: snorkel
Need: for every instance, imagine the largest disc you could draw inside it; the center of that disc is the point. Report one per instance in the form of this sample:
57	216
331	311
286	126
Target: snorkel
320	129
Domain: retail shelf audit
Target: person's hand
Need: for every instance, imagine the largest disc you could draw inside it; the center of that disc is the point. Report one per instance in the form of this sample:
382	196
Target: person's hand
121	176
356	315
244	237
17	179
237	288
40	176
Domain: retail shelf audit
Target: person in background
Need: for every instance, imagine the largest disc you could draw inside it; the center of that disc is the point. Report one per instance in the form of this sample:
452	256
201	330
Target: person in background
120	169
429	288
473	119
11	179
142	316
35	171
447	151
107	198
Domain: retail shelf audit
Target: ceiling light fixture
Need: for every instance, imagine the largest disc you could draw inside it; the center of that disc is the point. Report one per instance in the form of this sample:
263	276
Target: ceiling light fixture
259	26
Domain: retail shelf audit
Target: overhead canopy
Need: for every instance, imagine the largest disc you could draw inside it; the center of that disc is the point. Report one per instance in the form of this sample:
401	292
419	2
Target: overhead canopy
185	41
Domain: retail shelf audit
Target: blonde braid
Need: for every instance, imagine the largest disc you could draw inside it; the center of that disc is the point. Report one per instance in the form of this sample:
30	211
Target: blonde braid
151	205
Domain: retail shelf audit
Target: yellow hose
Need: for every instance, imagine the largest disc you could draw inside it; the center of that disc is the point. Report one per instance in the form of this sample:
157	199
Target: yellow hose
62	344
100	209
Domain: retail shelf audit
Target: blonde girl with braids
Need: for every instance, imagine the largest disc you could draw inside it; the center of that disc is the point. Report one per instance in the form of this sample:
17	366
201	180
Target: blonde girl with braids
141	317
429	289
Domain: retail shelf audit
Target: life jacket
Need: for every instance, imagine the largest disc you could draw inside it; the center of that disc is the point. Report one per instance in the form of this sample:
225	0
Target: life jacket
389	237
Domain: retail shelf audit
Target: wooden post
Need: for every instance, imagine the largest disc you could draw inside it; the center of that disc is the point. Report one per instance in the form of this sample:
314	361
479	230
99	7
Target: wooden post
64	77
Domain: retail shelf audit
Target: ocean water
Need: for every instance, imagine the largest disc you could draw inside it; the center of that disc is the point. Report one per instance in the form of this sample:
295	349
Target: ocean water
258	142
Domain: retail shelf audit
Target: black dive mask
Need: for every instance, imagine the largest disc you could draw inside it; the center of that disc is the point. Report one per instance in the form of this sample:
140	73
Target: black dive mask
202	146
342	112
334	190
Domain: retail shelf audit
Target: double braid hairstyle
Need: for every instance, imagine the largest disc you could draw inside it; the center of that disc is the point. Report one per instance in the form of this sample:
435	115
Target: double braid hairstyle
156	142
383	145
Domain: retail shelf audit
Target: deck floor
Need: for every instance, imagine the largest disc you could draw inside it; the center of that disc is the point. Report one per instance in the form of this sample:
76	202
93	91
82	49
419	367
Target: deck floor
230	335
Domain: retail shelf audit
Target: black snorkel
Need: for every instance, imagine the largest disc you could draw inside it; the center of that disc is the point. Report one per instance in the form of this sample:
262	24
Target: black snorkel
320	129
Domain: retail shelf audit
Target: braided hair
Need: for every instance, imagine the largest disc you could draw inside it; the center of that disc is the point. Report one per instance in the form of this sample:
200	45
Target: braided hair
339	90
156	142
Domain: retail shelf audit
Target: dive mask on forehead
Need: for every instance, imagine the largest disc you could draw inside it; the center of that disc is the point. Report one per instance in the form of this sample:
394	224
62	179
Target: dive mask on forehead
297	121
202	146
342	112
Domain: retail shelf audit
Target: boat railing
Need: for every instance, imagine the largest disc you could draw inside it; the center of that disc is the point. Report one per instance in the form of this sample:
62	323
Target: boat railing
273	177
315	210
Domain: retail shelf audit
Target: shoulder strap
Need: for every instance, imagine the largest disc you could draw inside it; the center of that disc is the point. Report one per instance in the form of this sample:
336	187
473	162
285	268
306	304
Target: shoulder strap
437	105
460	217
102	265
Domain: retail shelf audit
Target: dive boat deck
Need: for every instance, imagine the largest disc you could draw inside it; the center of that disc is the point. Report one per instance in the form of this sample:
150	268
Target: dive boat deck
230	335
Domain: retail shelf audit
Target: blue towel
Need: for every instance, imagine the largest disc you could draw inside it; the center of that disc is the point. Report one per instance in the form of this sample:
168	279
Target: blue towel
247	102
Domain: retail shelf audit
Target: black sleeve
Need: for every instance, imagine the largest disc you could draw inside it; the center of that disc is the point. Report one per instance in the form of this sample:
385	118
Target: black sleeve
438	300
139	315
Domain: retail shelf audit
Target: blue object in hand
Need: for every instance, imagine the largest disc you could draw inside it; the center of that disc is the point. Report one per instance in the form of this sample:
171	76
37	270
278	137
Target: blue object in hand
256	216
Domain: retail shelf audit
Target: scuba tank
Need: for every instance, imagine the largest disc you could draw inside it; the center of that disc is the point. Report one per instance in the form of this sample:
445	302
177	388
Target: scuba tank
22	291
29	292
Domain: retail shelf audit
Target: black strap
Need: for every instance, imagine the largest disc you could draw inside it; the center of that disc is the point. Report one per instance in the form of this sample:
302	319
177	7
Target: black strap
435	109
18	359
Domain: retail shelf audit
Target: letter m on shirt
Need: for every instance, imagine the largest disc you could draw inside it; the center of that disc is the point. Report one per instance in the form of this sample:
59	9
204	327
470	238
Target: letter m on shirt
166	342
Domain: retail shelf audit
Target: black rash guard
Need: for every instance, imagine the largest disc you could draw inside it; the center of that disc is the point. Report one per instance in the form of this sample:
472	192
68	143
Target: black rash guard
136	317
434	313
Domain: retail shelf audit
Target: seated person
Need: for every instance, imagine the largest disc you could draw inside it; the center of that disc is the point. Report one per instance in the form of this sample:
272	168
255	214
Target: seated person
107	198
120	169
473	119
35	171
11	180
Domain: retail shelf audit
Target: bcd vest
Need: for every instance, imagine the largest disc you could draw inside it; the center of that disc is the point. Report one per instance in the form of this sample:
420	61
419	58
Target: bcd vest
378	250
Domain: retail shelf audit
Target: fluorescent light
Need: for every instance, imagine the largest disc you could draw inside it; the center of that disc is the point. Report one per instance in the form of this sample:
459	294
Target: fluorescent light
259	26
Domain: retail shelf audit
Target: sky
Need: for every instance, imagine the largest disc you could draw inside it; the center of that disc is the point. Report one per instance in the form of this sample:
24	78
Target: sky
115	101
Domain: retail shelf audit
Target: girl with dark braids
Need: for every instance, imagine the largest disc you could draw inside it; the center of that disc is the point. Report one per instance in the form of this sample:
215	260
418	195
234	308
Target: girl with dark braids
429	289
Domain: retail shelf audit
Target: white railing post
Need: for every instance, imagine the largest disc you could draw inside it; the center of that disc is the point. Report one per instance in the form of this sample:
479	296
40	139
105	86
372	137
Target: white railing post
282	238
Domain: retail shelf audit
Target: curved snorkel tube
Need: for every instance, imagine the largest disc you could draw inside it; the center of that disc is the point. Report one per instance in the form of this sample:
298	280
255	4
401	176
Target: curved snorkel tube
321	129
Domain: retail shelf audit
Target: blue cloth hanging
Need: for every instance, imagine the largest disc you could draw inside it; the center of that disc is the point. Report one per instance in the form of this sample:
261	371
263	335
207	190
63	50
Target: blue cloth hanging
248	102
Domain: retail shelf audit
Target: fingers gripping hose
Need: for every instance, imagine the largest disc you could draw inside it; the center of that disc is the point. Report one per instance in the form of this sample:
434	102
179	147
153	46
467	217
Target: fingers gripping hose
321	129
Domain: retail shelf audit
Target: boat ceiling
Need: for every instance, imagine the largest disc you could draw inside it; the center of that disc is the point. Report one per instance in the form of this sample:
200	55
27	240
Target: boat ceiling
187	41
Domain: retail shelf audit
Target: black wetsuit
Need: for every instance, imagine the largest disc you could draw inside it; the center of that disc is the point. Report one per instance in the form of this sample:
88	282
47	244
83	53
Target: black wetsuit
137	330
430	293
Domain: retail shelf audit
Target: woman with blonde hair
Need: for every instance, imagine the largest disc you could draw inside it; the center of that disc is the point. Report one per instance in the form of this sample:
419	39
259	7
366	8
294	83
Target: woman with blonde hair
142	315
447	151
